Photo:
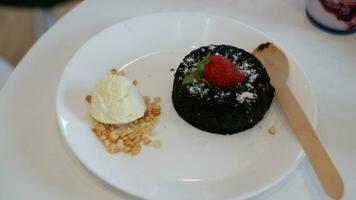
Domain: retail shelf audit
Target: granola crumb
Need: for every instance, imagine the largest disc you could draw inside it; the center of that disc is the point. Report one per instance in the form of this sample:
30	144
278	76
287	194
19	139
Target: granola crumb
112	148
156	143
146	141
130	138
106	142
135	82
155	112
136	149
113	72
147	100
272	130
102	138
157	99
127	149
88	99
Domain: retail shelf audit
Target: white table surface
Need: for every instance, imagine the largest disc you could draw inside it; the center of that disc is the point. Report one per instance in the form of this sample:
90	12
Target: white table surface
36	164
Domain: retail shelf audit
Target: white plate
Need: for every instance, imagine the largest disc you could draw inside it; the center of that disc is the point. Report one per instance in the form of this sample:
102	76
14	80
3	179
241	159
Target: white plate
191	164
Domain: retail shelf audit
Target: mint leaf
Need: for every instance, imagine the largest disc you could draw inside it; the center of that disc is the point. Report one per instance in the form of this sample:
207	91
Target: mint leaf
205	60
199	72
189	78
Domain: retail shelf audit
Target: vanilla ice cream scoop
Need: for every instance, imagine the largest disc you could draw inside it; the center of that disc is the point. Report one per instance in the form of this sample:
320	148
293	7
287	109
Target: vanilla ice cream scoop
116	101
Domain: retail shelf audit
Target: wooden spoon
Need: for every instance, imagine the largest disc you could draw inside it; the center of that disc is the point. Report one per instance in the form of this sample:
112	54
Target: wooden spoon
277	67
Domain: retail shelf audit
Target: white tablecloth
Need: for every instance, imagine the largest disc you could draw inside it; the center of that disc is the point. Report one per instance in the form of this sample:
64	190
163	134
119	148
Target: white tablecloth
35	162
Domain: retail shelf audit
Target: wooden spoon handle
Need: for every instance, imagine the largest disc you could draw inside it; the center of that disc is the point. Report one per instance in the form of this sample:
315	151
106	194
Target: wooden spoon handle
328	175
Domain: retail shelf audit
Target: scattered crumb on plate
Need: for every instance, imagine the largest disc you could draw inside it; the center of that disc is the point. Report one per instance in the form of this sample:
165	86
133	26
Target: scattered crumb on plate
117	72
272	130
88	99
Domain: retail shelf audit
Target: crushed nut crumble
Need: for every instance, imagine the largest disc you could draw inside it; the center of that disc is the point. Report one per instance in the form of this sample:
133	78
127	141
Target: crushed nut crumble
272	130
128	138
135	82
117	72
88	99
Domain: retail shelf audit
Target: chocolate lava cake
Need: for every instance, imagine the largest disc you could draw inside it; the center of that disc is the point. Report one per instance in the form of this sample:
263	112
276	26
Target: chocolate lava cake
221	89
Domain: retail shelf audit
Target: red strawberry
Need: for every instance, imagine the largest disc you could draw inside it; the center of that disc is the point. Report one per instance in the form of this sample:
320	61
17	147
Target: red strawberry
222	73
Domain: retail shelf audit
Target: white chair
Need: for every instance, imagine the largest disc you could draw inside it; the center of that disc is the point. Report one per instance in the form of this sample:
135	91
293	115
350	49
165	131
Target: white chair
5	71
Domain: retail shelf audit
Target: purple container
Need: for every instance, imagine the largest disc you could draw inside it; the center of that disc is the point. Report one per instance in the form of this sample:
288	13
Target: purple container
338	16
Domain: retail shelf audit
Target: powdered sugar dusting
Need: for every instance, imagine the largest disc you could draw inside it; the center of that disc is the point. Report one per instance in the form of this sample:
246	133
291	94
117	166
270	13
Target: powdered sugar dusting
234	61
197	88
194	90
221	95
248	71
252	78
188	62
249	86
246	97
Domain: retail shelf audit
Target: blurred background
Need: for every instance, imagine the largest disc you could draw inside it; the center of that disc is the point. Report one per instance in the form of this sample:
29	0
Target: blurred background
22	22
